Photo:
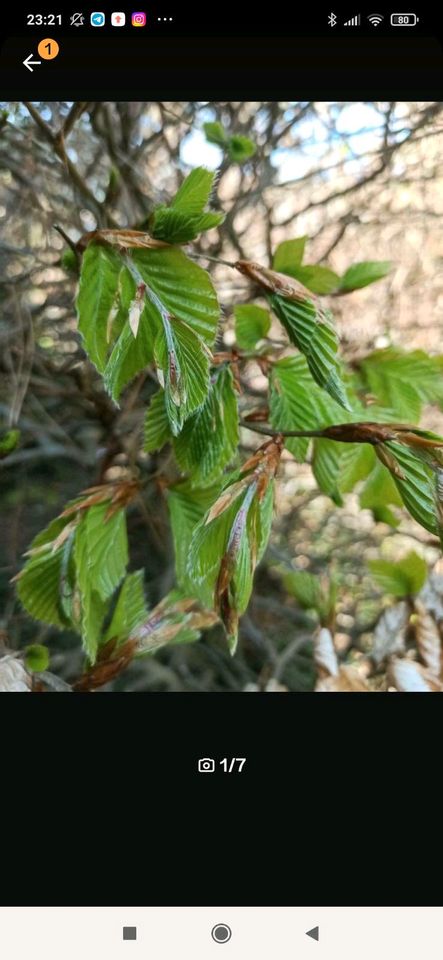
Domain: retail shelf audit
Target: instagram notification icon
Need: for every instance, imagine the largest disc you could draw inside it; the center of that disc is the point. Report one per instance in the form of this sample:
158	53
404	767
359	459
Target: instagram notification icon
138	19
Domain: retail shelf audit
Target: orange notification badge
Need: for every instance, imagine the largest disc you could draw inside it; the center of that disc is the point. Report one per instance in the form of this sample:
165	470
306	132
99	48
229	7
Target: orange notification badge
48	49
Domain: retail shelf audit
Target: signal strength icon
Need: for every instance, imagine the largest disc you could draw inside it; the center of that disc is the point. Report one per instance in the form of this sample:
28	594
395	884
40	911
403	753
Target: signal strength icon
353	22
375	19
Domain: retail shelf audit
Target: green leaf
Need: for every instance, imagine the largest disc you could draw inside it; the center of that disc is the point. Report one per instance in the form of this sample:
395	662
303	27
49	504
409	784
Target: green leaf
325	467
132	354
224	552
39	588
36	657
362	274
106	547
240	148
182	360
403	381
157	426
215	133
174	226
97	294
289	255
296	403
187	507
356	462
209	438
401	579
176	619
130	610
101	557
313	334
378	493
183	288
320	280
251	324
8	442
40	581
305	587
195	191
417	489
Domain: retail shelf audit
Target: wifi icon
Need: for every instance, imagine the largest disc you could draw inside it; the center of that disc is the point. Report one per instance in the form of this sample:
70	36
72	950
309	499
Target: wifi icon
375	19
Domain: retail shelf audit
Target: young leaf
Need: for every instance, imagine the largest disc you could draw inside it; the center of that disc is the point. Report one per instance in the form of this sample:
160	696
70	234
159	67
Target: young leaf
240	148
131	354
209	438
98	292
378	493
418	486
362	274
356	463
289	255
320	280
325	467
251	324
231	538
403	381
184	290
182	360
157	426
195	191
177	619
40	582
174	226
215	133
296	403
187	507
185	218
403	578
308	326
130	610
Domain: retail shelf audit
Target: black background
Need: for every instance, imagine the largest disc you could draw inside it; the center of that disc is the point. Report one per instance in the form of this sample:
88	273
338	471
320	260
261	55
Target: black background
101	802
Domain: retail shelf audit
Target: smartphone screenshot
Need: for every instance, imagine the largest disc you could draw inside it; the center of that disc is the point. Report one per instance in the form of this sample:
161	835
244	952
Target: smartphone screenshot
221	481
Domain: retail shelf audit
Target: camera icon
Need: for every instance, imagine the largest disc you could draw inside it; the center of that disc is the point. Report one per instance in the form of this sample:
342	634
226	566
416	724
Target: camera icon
206	765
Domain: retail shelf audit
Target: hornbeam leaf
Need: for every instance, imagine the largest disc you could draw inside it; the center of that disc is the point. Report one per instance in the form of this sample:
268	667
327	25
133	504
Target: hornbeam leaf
288	255
132	352
183	359
403	578
195	191
361	274
308	327
403	381
187	507
417	484
130	610
97	294
230	540
157	426
251	324
178	618
182	287
209	438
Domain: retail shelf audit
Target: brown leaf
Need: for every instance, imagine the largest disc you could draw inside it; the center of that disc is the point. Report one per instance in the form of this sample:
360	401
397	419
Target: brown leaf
390	632
112	661
407	676
118	492
348	680
427	636
124	239
259	469
275	282
167	619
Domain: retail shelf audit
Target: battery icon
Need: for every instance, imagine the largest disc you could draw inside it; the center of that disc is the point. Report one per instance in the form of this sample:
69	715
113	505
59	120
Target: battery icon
403	19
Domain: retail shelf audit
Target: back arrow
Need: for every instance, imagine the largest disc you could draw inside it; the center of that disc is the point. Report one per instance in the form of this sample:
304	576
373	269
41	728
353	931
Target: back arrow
28	61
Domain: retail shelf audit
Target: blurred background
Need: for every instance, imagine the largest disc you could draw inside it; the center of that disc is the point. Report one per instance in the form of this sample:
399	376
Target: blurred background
362	181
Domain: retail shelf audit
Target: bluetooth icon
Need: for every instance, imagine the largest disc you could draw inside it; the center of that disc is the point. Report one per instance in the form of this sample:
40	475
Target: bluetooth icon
332	19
